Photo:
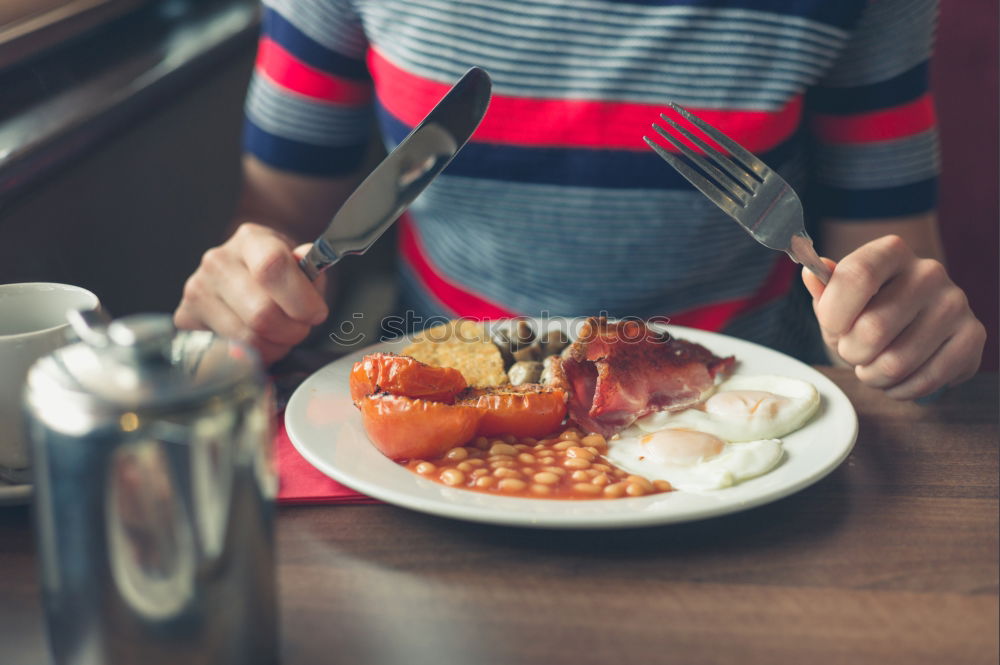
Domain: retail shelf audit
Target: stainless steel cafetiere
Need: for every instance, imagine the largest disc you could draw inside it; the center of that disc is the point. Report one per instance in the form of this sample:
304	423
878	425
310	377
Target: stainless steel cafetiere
154	488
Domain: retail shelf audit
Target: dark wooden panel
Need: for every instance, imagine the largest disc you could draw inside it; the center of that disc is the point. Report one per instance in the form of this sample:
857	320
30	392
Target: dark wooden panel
966	79
30	26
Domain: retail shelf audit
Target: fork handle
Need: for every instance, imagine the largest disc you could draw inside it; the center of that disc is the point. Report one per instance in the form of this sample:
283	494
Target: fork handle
802	251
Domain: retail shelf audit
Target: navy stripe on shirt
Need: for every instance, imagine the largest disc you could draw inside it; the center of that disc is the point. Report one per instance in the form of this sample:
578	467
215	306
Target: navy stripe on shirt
843	14
305	158
572	166
859	204
901	89
308	51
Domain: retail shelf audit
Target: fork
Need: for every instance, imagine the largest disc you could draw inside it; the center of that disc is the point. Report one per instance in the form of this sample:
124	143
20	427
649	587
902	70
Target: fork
744	187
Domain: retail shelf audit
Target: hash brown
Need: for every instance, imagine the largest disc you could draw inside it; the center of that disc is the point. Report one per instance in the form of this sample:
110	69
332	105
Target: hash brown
463	345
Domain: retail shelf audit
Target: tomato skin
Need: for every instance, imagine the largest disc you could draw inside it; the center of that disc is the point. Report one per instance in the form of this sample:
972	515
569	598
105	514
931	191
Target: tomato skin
405	428
402	375
521	411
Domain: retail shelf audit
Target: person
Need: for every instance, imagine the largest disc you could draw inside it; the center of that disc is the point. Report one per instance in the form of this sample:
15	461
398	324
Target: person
556	205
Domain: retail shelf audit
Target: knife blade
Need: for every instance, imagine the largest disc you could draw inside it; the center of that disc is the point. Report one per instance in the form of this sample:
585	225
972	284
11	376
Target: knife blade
397	180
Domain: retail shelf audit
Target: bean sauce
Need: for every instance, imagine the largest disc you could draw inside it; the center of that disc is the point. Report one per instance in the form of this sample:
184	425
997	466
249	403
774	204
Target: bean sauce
565	465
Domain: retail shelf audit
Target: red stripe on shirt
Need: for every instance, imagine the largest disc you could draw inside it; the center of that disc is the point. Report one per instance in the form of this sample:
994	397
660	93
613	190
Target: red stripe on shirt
718	315
462	302
292	74
883	125
571	122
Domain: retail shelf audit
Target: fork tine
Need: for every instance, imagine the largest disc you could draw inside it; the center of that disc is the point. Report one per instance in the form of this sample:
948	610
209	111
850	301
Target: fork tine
737	173
725	183
703	184
743	155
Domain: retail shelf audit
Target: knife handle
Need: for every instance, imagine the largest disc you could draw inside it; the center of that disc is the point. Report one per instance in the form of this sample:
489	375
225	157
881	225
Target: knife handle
315	262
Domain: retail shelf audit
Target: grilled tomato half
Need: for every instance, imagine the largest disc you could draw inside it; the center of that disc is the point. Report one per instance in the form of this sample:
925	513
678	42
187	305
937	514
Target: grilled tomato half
526	410
402	375
406	428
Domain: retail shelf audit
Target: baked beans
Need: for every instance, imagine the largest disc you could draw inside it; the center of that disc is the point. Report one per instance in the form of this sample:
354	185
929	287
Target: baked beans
565	465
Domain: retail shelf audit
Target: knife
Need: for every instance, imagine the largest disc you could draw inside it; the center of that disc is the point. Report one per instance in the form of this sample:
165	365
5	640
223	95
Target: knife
389	189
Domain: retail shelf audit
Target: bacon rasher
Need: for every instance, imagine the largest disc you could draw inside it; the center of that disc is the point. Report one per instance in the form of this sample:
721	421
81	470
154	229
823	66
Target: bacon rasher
617	372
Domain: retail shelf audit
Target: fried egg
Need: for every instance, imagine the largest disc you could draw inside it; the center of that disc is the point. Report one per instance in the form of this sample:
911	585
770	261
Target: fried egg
733	435
693	461
744	408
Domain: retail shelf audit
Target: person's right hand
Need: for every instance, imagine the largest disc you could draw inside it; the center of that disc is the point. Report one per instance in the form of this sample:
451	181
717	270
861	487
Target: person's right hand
251	289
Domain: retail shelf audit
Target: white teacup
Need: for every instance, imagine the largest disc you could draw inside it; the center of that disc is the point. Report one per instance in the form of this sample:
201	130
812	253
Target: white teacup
32	324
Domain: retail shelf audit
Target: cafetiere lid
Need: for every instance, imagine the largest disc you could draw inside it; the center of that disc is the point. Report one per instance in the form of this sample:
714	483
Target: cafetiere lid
141	362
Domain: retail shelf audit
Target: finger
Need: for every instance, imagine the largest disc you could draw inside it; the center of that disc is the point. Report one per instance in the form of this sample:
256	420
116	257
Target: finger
908	352
225	322
322	281
816	289
275	268
812	282
831	342
954	362
186	318
891	311
945	311
225	282
857	278
260	315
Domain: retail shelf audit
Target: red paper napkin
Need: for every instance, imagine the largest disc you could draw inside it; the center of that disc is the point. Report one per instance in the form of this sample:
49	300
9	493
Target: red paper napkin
301	483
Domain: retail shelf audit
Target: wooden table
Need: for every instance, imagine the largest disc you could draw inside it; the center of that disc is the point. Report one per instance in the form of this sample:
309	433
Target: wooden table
893	558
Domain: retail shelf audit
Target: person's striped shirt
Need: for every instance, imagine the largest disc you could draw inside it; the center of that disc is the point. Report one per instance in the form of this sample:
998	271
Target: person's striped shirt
556	204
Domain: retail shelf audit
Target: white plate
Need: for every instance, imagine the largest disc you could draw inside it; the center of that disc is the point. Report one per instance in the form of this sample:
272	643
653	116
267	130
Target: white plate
326	429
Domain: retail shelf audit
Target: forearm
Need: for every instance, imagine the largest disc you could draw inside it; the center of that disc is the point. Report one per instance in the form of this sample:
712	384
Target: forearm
296	205
840	237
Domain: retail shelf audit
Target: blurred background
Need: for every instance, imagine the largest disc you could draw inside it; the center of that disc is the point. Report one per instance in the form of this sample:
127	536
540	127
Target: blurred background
120	129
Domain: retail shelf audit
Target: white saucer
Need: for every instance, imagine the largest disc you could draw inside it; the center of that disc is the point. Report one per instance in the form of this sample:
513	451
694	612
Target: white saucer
14	495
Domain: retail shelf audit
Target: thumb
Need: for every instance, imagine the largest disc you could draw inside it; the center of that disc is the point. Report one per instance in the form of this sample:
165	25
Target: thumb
812	282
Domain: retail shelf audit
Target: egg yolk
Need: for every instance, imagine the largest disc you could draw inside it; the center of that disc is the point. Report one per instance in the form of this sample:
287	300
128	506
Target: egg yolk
681	447
743	403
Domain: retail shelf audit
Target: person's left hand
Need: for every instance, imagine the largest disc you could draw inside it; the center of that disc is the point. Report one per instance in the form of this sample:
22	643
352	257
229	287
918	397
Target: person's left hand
898	319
